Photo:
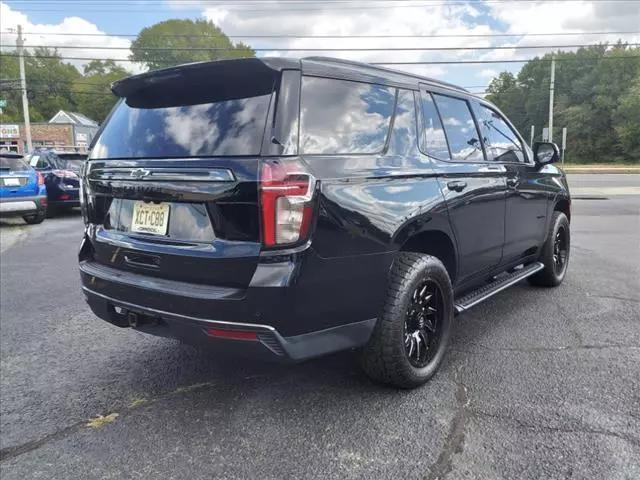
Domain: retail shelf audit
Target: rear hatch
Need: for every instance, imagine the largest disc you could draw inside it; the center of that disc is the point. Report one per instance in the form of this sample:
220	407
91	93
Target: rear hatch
67	168
171	185
17	179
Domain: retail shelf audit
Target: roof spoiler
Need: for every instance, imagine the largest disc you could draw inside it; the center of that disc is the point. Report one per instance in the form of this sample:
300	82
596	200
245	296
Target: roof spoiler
199	82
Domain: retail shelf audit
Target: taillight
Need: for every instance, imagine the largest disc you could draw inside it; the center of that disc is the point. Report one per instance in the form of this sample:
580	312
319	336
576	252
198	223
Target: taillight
286	191
40	179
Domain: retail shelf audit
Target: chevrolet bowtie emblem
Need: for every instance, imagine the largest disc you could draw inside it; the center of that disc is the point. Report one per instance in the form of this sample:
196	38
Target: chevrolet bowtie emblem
140	173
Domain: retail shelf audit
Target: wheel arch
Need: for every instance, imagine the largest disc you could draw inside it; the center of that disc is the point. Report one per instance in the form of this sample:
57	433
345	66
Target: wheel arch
437	243
563	204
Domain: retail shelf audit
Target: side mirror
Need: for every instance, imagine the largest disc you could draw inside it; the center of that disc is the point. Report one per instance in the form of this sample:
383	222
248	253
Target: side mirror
546	152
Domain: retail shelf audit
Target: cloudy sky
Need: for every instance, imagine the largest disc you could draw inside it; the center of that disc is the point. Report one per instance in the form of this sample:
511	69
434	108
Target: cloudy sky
432	23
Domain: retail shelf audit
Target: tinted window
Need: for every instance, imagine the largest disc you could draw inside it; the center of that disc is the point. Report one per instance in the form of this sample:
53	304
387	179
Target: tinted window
339	116
500	141
403	137
69	161
464	141
225	128
434	141
39	160
13	164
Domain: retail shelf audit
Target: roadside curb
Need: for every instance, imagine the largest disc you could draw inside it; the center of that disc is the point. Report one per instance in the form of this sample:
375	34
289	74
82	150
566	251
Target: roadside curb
595	170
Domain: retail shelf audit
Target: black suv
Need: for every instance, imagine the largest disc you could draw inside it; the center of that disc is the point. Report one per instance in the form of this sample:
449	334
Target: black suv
293	208
60	170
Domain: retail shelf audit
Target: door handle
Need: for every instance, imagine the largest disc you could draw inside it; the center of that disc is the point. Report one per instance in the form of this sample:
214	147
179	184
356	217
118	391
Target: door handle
457	185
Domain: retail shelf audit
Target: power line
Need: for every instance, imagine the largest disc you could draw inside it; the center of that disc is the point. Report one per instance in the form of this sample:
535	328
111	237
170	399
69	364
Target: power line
447	62
296	36
237	7
330	49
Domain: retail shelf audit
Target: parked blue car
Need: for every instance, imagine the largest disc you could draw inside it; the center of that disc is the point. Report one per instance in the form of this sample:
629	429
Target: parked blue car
22	190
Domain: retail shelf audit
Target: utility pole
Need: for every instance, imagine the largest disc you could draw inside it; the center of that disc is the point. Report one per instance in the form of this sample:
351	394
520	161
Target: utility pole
551	88
533	131
23	87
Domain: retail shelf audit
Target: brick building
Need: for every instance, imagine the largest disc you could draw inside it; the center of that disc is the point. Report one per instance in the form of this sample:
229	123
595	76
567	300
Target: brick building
64	129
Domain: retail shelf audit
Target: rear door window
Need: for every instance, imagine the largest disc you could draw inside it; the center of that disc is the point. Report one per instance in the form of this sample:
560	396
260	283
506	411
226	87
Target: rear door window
403	139
464	141
39	161
344	117
433	141
232	127
500	141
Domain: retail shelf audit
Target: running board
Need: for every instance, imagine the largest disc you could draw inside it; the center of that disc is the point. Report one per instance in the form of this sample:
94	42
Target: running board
489	290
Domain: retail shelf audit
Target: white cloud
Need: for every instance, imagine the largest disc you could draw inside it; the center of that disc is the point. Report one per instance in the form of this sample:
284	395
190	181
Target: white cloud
487	73
432	20
578	17
10	19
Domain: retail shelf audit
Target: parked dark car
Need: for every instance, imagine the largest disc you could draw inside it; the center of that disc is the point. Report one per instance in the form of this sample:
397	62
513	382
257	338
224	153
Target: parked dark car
292	208
22	190
61	171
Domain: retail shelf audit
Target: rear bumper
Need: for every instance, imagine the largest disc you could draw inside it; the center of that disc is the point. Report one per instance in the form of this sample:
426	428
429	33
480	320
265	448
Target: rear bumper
65	203
64	197
267	343
19	206
299	304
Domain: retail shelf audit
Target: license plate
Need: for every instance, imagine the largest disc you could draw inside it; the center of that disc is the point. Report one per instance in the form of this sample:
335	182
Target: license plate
12	182
150	218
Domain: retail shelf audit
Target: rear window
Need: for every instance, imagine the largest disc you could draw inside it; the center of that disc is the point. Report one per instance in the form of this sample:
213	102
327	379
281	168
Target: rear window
221	128
342	117
72	162
13	164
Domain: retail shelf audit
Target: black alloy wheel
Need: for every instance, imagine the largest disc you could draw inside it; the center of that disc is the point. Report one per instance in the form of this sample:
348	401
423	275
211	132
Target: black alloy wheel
554	253
422	327
409	341
560	251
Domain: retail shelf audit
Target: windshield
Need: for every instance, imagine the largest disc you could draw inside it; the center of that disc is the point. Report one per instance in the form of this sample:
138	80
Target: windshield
13	164
222	128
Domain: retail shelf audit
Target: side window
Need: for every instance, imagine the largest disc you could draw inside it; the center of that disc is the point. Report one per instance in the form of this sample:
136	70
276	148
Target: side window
38	161
433	139
500	141
342	117
404	141
464	141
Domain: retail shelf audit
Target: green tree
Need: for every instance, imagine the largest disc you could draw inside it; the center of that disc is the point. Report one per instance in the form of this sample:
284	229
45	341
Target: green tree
49	85
596	99
93	90
174	42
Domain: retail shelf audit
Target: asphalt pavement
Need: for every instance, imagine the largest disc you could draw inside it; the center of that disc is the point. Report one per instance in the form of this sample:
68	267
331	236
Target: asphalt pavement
538	383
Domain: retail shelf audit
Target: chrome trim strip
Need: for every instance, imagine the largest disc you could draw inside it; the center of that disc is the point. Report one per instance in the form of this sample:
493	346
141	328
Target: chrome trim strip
178	316
463	308
286	251
162	174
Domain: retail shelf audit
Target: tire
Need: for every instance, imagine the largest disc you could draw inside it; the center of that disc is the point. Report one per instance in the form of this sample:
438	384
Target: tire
52	211
555	253
387	357
35	219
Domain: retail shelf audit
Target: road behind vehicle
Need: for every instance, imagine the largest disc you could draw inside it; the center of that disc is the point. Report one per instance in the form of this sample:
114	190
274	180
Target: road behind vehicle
22	189
288	209
61	171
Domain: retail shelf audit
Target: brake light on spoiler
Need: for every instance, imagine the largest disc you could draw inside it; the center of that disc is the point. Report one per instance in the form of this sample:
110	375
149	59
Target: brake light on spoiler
286	207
